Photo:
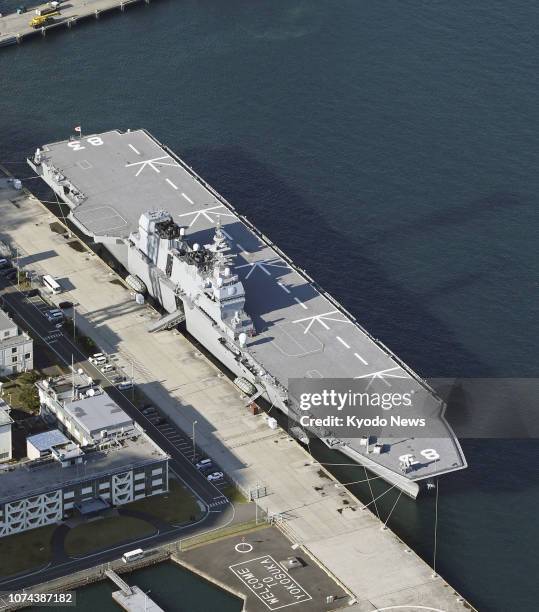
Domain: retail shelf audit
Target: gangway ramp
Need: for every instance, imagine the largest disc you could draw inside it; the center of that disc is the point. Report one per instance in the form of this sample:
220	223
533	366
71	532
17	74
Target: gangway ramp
167	322
119	582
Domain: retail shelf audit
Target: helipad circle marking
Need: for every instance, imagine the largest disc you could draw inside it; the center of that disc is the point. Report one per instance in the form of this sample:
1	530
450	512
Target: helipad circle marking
243	547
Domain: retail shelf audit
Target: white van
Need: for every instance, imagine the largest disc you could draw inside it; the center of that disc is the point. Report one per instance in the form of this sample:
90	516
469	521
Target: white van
98	359
133	555
125	385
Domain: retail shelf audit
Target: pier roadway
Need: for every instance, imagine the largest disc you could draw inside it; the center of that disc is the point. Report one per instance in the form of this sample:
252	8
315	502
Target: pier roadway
326	521
15	28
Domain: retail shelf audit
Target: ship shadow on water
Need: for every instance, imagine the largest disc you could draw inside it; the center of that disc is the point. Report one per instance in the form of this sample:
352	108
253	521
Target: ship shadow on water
346	269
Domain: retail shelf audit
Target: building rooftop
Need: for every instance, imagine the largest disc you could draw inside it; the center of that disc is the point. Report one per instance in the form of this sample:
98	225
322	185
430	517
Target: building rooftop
5	419
46	440
34	477
6	322
98	412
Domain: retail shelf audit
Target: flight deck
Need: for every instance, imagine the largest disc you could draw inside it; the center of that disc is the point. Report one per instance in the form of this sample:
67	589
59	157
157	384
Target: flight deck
109	180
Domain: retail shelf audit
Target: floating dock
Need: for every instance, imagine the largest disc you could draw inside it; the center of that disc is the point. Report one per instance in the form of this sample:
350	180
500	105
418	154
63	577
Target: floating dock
131	598
14	28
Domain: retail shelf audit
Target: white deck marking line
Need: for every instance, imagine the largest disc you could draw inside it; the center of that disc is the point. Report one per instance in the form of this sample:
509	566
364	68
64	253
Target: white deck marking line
184	195
133	148
227	234
242	250
171	184
361	359
342	342
283	287
300	303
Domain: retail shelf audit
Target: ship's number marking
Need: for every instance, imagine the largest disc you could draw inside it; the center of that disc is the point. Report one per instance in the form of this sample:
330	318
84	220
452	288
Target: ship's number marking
95	141
428	453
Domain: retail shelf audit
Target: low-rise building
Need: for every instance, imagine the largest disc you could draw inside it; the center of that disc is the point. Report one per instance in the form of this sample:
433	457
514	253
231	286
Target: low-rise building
16	347
107	462
42	444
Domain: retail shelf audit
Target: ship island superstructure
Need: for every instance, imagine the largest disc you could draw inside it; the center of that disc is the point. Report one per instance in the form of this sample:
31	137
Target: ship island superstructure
241	297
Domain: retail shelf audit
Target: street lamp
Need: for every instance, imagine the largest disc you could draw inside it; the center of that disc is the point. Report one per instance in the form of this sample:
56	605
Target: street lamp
194	423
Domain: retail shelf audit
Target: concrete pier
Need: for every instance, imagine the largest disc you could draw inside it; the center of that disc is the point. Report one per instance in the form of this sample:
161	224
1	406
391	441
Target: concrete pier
15	28
326	521
131	598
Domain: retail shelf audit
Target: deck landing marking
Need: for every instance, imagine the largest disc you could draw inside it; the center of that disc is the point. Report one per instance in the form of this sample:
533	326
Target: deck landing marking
382	374
300	303
208	214
321	318
184	195
133	148
363	361
263	264
171	184
152	163
283	287
342	342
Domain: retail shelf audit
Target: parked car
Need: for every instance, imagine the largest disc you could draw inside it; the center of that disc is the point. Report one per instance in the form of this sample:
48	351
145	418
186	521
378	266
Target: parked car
203	464
32	293
4	263
215	476
55	315
125	385
65	305
107	367
98	359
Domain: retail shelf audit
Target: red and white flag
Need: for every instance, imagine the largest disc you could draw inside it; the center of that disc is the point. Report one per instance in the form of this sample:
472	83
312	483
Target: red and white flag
78	129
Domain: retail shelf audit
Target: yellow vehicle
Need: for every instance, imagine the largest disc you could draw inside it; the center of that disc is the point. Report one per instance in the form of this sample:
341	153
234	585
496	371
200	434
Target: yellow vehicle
41	20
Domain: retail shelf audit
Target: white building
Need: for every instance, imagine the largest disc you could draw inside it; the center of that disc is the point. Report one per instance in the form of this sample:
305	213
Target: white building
5	433
16	347
108	460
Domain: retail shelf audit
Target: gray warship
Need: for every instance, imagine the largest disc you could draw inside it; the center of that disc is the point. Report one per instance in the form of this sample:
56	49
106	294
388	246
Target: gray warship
241	297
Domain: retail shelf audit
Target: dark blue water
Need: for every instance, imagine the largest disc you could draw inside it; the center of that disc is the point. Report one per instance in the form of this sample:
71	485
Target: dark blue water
170	586
391	148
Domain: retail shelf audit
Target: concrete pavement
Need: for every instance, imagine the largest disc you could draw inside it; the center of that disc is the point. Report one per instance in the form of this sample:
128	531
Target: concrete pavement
328	522
14	28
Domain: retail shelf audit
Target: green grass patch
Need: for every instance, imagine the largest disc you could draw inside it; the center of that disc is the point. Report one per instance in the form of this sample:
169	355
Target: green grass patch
25	551
175	507
105	533
21	392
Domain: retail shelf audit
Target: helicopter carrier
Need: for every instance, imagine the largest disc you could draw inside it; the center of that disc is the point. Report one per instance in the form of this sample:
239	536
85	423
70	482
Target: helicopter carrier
240	296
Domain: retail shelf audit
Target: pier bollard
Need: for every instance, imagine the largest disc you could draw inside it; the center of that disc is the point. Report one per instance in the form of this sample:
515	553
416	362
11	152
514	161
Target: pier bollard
122	7
96	14
43	32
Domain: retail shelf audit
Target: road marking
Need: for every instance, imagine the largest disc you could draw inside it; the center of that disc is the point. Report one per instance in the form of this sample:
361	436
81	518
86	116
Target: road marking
283	287
361	359
184	195
342	342
133	148
300	303
171	184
